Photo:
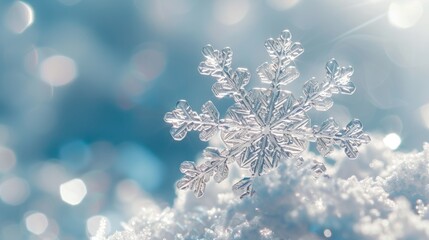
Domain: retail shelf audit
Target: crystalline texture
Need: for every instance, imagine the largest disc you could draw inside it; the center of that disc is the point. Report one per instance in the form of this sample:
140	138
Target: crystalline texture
265	125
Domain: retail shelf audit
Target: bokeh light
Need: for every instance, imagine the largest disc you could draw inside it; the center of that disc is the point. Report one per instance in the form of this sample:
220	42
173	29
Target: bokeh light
128	191
405	13
19	17
14	191
36	223
230	12
392	140
164	15
149	62
58	70
327	233
96	223
73	191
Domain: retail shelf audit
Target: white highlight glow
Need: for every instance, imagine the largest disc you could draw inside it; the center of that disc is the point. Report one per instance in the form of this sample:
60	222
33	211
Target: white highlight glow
405	13
392	141
58	70
282	4
7	159
230	12
19	17
36	223
14	191
97	223
327	233
73	191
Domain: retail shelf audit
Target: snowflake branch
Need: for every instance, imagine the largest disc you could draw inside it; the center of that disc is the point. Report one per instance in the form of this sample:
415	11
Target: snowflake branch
218	65
318	95
329	134
196	177
184	119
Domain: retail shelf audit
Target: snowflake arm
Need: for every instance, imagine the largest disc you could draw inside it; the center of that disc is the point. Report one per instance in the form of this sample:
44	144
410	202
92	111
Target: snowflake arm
317	95
264	125
228	82
196	176
337	81
348	138
282	52
184	119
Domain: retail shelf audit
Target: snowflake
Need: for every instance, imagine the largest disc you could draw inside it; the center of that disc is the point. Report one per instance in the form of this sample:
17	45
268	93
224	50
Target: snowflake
264	125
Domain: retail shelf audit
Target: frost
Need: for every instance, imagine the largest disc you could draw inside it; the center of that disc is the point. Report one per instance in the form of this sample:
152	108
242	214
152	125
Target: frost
264	126
290	204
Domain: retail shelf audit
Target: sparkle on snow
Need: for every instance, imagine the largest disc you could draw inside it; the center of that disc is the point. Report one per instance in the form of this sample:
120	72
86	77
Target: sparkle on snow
265	125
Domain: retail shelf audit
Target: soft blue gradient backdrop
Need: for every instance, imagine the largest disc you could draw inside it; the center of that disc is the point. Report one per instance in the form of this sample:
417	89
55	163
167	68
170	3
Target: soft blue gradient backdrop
132	60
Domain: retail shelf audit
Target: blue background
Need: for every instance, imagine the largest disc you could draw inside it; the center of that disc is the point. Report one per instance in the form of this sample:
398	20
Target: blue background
134	59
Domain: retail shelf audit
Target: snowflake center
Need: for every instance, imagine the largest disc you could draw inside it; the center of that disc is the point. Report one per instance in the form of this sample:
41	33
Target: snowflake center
266	130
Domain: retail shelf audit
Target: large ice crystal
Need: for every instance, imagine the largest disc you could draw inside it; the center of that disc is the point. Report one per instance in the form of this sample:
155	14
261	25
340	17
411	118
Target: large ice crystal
265	126
291	205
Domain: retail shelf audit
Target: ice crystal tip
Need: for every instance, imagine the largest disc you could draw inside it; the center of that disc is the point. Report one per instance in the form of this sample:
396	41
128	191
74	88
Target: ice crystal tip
264	125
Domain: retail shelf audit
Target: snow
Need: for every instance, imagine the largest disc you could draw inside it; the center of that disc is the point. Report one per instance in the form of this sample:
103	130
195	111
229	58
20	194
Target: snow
379	203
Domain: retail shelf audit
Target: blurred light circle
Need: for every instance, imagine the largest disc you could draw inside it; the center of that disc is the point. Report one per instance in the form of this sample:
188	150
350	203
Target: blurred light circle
127	190
96	223
392	141
327	233
19	17
58	70
282	4
405	13
7	159
164	15
36	223
14	191
149	62
73	191
230	12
